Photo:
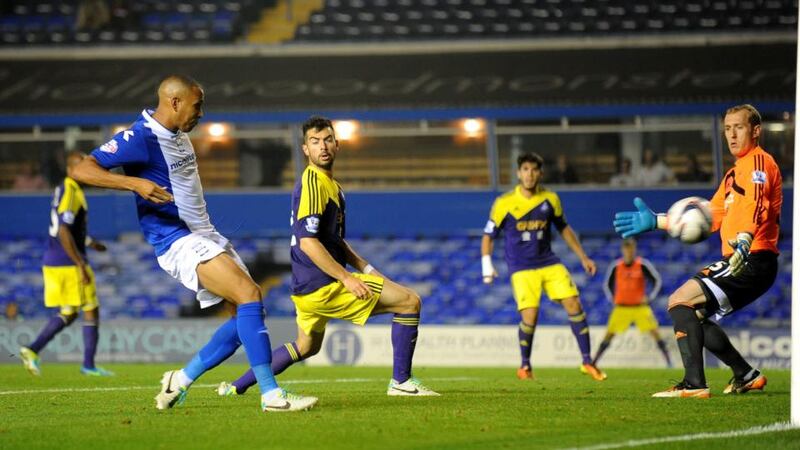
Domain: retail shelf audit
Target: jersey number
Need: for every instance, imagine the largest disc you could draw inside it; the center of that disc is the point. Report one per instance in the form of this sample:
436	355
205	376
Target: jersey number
53	230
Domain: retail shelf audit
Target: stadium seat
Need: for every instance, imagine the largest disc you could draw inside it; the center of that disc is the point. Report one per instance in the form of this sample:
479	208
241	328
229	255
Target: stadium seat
445	271
434	19
140	21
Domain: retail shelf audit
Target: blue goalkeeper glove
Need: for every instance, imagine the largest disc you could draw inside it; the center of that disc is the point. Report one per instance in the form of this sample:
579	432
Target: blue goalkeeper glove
741	251
631	223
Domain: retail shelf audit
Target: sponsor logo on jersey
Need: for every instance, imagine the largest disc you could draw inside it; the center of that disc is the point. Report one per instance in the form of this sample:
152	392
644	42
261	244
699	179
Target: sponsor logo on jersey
531	225
110	147
759	177
312	225
182	162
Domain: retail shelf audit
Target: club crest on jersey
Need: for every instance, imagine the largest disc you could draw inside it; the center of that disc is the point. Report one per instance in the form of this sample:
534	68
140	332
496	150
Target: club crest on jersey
110	147
312	225
759	177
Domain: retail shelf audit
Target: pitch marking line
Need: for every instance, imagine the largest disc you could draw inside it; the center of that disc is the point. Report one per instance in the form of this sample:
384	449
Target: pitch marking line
155	386
774	428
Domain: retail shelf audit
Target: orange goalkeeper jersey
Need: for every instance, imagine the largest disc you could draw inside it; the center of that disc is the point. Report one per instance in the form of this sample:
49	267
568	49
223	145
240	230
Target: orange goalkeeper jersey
749	199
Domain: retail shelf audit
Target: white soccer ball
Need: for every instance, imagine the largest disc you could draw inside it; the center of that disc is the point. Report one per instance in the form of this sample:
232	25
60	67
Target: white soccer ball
689	220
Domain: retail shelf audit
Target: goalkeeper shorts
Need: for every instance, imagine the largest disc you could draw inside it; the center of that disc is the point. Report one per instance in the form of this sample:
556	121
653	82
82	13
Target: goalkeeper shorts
726	293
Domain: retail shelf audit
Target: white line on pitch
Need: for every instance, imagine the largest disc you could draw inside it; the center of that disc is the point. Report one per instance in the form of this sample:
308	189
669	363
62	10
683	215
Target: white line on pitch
776	427
155	386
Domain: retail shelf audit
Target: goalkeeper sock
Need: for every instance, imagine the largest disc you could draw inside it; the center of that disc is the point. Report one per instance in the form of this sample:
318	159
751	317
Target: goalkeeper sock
717	342
581	331
689	334
525	334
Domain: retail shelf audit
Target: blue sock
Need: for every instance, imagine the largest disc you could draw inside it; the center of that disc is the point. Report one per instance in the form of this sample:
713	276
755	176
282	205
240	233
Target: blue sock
222	345
255	338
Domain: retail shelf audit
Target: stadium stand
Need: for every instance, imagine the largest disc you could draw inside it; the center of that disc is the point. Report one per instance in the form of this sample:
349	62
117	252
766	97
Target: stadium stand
225	21
129	22
444	270
359	20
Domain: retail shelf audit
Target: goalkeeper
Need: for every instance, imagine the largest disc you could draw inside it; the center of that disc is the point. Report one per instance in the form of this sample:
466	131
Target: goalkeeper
746	210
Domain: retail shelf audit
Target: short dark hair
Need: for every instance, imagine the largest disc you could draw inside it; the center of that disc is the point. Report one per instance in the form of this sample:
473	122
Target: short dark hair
184	80
316	123
753	116
530	157
629	242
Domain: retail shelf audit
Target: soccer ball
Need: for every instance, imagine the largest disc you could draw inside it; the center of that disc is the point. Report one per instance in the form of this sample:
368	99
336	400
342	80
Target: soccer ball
689	220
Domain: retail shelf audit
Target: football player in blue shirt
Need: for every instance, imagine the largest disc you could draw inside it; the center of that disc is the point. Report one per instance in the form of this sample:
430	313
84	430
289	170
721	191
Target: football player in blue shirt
68	279
161	168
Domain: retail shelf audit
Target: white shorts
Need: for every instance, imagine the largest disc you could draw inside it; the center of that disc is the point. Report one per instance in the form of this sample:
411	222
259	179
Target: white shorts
184	255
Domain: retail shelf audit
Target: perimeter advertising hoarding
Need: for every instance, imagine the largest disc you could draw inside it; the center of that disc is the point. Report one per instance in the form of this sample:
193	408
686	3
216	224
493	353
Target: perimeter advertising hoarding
438	345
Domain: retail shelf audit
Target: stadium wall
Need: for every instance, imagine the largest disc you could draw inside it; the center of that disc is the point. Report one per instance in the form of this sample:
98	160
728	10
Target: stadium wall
369	213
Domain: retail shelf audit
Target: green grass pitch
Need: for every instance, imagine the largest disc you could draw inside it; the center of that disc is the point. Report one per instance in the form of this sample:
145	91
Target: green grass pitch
478	409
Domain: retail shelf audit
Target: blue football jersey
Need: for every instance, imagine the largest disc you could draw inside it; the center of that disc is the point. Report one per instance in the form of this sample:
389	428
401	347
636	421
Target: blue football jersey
148	150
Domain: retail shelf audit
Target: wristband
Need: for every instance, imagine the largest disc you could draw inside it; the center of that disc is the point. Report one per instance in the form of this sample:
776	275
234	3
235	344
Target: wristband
661	222
368	269
486	266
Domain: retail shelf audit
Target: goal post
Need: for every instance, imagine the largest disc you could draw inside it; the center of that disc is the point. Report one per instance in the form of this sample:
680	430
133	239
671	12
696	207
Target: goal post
795	366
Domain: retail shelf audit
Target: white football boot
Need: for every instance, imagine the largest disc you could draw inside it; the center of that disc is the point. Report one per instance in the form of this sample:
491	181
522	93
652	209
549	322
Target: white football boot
225	389
410	387
31	361
172	393
285	401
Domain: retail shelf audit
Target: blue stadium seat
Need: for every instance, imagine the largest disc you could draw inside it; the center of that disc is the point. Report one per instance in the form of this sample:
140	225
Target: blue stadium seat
445	271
